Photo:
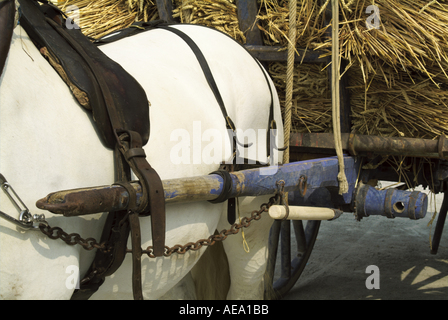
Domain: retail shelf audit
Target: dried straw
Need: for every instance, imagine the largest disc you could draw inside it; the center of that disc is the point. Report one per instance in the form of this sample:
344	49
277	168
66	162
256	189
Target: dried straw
100	17
273	21
311	109
398	77
398	81
219	14
413	36
400	107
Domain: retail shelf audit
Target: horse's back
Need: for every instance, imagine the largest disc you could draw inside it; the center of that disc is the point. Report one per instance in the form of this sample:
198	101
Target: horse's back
180	83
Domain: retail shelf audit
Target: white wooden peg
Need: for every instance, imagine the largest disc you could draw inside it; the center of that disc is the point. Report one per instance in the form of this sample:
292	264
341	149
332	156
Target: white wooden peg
278	212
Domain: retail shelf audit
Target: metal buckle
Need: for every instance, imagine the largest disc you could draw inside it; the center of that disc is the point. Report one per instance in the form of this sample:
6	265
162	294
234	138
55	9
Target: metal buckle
26	219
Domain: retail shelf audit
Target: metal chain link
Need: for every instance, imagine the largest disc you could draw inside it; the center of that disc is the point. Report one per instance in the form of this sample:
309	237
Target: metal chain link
234	229
90	243
72	238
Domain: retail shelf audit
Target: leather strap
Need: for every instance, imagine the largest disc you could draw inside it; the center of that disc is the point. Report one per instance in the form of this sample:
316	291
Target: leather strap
224	195
206	70
115	234
153	199
7	11
136	256
153	195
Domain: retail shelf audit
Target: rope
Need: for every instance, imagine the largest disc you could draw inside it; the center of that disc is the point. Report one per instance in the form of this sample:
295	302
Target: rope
336	108
289	82
245	244
290	76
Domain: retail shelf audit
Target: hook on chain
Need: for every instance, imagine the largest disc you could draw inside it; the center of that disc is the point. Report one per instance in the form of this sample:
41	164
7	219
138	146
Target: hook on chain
26	220
281	196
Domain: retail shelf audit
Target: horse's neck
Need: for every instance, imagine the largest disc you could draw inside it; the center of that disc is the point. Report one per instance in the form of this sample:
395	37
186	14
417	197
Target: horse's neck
41	124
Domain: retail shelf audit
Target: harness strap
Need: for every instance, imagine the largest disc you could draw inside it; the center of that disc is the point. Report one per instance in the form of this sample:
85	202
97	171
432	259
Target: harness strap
136	256
153	202
115	233
130	145
206	70
231	205
7	12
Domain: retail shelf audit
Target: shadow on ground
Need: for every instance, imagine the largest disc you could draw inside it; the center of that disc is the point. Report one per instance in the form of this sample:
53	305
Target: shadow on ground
398	247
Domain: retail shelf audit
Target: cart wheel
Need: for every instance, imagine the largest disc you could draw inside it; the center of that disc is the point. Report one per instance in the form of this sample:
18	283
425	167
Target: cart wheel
289	267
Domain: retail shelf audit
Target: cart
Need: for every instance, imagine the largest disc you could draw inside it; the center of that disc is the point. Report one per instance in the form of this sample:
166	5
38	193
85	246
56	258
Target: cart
360	148
313	182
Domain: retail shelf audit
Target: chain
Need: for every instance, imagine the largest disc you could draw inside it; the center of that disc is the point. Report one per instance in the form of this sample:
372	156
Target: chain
72	238
90	243
234	229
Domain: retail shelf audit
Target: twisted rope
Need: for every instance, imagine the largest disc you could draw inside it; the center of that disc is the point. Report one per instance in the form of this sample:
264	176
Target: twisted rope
289	82
290	76
343	184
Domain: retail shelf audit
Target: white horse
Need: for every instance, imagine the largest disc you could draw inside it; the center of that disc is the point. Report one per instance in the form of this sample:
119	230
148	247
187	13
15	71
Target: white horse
48	143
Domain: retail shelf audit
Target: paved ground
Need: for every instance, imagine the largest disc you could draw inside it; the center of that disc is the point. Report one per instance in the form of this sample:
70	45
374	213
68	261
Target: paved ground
400	249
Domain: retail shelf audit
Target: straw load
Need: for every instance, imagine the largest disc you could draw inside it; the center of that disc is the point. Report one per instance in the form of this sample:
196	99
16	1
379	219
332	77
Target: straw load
100	17
219	14
397	73
398	76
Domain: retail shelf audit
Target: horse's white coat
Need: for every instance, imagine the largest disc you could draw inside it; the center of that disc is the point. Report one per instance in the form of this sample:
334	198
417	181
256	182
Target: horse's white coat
48	143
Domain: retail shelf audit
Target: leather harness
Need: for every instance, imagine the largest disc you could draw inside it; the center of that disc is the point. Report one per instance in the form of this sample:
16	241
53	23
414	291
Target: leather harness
121	114
7	11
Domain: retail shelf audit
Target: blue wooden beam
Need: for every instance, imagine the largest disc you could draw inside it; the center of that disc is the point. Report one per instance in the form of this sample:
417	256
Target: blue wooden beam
320	173
310	183
391	203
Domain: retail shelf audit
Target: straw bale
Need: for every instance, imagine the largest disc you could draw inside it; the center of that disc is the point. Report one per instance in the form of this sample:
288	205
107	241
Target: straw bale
311	102
100	17
400	107
219	14
273	21
397	74
412	36
398	81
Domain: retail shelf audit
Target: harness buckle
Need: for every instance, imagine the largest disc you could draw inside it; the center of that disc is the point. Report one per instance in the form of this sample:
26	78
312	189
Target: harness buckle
26	219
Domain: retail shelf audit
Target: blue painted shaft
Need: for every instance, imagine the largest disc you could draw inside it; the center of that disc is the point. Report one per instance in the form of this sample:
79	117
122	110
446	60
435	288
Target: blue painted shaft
319	173
320	190
262	181
391	203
